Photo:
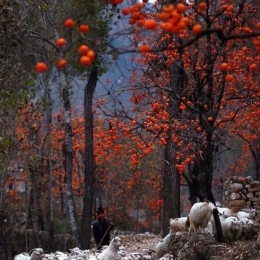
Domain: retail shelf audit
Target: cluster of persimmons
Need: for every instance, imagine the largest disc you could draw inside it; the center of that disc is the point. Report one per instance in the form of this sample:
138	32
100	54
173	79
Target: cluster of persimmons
173	19
87	55
235	68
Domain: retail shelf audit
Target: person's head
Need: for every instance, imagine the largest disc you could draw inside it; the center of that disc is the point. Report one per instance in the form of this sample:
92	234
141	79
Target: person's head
100	213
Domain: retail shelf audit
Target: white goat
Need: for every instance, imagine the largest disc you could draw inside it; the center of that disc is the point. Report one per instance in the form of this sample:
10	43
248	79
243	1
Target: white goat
209	230
225	212
111	252
178	224
200	215
56	256
162	246
232	228
250	215
249	227
22	256
36	254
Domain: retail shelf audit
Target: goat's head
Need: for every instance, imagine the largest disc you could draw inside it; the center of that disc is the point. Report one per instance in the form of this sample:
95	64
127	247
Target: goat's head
116	242
36	254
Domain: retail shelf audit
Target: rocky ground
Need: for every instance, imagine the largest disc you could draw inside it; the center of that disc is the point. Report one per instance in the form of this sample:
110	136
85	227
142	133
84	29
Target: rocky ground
138	242
199	248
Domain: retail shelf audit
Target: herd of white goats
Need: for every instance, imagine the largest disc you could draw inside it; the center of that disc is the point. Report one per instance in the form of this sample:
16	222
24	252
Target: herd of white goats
200	220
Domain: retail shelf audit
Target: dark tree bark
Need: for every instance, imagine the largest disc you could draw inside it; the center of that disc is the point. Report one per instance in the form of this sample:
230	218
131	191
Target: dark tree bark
171	177
35	215
89	160
255	151
40	219
49	197
171	188
201	179
31	202
200	184
192	185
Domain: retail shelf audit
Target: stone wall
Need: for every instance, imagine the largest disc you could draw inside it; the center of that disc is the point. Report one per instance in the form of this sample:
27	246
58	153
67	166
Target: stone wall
241	193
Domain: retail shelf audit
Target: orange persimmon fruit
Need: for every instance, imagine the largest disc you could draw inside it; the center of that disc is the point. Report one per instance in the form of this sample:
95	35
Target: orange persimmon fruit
185	20
230	8
84	28
60	42
253	67
91	54
140	23
229	78
247	30
85	60
202	6
125	11
144	48
150	24
69	23
131	21
61	63
223	66
168	8
116	2
244	49
197	29
83	49
41	67
181	7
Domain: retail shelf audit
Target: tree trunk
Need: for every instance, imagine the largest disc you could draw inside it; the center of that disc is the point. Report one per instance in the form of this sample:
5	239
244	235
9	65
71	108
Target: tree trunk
40	220
205	172
30	218
171	177
191	185
35	216
89	160
255	151
68	163
171	188
49	197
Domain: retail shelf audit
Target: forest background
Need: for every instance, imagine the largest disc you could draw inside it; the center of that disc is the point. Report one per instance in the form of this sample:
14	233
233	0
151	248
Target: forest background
164	113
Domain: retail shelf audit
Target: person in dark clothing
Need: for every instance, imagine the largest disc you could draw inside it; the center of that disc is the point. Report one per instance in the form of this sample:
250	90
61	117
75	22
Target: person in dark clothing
101	228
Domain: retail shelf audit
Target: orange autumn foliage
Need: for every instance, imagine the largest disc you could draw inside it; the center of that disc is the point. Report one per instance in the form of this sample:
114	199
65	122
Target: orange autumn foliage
238	63
207	101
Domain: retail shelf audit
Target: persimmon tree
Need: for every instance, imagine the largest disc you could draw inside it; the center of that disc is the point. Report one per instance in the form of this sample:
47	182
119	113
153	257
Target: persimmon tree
93	35
194	75
74	39
207	42
36	43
